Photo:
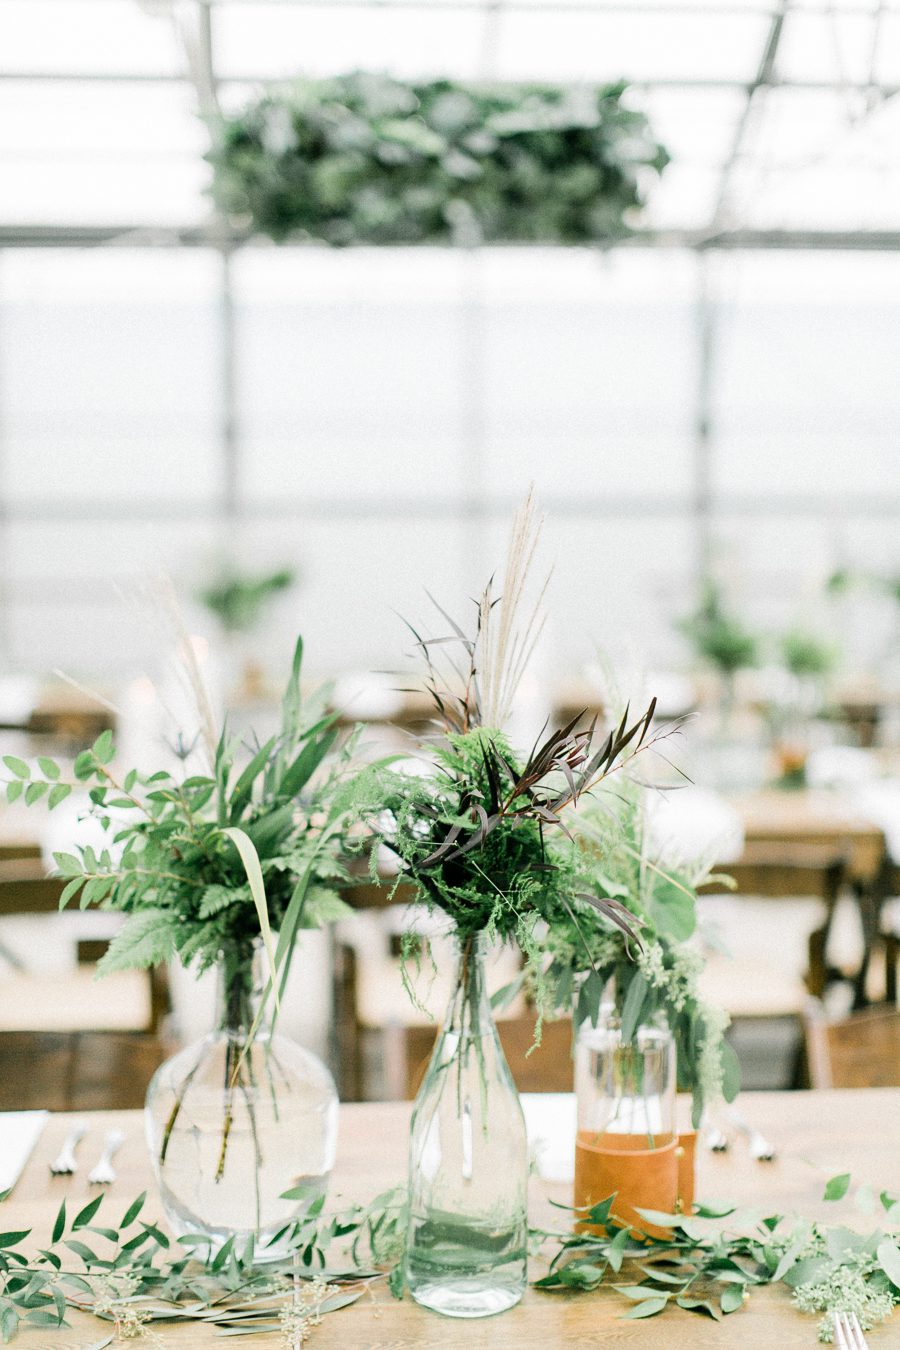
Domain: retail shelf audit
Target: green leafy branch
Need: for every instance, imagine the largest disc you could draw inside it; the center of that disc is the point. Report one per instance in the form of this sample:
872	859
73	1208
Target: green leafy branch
206	863
704	1267
132	1274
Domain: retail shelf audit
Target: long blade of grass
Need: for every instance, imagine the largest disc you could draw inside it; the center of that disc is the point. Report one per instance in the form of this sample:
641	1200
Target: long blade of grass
250	858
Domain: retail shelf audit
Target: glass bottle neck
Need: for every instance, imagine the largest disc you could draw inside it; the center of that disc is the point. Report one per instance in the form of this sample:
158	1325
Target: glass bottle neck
469	1010
243	975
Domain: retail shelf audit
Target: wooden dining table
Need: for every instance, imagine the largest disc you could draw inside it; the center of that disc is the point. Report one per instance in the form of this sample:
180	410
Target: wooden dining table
818	818
816	1134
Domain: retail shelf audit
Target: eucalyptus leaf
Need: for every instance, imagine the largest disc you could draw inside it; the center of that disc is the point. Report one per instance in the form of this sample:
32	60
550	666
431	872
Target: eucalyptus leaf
888	1255
649	1308
837	1187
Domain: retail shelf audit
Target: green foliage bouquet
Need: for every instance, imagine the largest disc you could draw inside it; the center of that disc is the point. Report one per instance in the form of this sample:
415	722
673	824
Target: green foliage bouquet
659	975
484	832
367	159
203	865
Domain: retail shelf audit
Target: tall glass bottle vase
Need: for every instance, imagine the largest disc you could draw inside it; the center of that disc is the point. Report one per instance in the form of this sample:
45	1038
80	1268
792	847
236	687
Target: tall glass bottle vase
468	1162
238	1118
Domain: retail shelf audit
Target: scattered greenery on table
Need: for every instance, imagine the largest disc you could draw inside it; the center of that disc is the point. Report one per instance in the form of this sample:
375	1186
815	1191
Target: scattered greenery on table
618	862
718	636
131	1275
239	599
202	865
369	159
709	1266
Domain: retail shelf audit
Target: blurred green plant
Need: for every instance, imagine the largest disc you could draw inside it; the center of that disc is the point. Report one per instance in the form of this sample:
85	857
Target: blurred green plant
238	600
718	636
806	655
845	579
367	159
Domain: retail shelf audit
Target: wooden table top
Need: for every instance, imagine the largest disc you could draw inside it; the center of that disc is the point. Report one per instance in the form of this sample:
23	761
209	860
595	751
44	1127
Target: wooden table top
817	1134
811	816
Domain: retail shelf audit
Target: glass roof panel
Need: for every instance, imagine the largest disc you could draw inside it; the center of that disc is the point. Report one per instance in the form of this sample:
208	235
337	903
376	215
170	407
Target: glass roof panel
260	40
834	47
81	118
887	61
116	189
86	36
818	159
684	198
696	126
640	46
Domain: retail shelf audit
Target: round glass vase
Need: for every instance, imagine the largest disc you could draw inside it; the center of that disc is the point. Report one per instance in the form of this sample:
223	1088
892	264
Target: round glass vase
238	1118
468	1162
626	1145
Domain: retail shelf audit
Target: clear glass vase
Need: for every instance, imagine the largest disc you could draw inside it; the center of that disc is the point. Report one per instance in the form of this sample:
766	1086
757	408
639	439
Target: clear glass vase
626	1144
238	1118
468	1162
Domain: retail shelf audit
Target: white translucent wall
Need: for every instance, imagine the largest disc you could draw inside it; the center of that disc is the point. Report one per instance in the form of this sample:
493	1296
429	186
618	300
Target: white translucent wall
380	394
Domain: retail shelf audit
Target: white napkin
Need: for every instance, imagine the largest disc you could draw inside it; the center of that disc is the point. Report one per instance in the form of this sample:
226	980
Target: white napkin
19	1132
550	1119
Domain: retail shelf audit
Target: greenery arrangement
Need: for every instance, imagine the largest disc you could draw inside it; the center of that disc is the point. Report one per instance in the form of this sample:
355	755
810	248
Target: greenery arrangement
482	832
718	637
203	865
133	1277
238	600
661	974
367	159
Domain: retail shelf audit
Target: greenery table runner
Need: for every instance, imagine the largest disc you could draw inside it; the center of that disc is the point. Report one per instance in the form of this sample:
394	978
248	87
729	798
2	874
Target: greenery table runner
816	1133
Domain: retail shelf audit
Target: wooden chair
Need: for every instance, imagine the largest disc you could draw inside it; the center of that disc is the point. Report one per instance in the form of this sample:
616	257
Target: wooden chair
66	1042
889	890
764	986
862	1050
77	1070
547	1068
371	1005
775	871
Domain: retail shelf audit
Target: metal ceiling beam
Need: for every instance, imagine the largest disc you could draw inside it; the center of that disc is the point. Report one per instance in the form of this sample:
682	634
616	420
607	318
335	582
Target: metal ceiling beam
836	505
752	240
764	76
693	83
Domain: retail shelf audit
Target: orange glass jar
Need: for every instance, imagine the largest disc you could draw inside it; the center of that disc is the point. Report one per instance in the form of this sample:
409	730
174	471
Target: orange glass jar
627	1145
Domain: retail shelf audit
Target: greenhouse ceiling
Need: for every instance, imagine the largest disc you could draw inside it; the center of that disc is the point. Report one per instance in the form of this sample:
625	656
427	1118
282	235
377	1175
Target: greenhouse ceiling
782	118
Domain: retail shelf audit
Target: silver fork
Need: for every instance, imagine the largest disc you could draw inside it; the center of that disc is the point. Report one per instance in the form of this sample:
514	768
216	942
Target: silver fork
760	1148
64	1165
848	1333
104	1174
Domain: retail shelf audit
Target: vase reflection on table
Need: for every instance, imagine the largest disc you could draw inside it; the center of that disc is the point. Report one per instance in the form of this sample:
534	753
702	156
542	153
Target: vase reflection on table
239	1118
468	1162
